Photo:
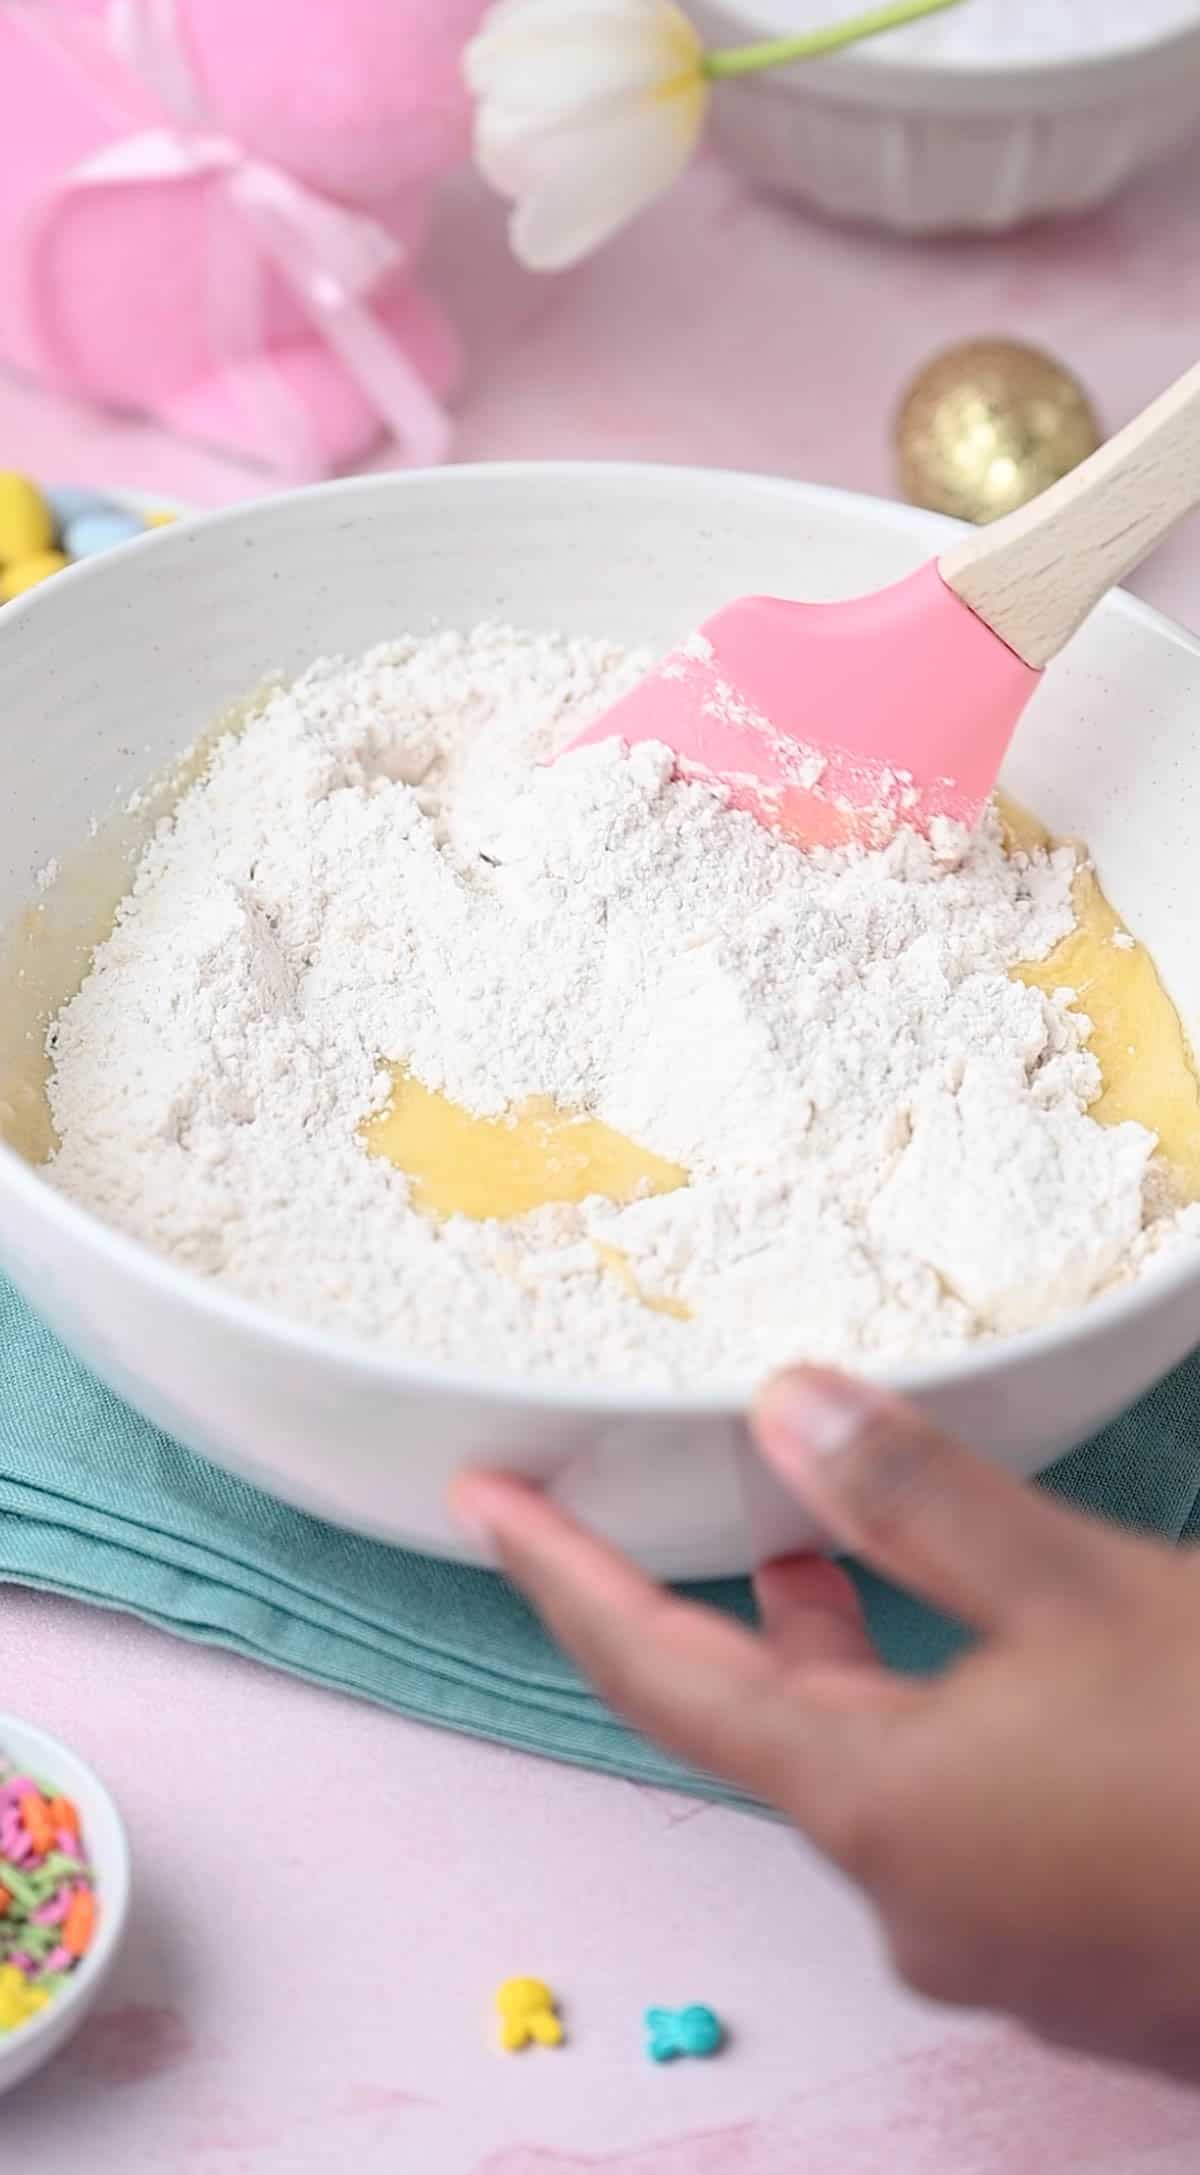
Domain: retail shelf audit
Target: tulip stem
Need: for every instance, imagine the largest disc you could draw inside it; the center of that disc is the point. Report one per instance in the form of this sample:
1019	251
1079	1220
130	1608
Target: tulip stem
744	60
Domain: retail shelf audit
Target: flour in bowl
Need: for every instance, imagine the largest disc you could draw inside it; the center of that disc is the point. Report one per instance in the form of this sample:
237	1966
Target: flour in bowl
886	1137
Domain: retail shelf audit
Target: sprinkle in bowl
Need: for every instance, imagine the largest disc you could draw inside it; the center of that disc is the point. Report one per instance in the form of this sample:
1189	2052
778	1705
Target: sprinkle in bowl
31	1752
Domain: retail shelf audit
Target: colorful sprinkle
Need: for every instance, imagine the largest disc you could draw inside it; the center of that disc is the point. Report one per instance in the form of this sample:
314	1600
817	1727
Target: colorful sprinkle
528	2013
48	1907
79	1923
35	1819
672	2032
20	1998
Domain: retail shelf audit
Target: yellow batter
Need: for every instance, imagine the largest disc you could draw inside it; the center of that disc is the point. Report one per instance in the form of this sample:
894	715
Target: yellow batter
463	1165
1137	1038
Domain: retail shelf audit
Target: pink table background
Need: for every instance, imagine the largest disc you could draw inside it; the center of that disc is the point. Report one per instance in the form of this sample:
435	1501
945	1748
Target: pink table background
326	1896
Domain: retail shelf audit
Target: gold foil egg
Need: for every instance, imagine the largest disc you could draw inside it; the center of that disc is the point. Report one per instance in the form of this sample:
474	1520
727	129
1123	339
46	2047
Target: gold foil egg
988	425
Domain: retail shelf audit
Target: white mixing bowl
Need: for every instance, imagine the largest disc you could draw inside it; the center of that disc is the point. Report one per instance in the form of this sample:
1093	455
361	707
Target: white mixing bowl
113	668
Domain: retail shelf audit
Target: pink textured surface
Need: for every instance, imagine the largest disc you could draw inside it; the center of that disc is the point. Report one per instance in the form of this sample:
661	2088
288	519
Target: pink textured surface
333	2009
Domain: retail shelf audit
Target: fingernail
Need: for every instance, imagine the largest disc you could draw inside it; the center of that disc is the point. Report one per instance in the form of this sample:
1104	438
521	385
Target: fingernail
818	1414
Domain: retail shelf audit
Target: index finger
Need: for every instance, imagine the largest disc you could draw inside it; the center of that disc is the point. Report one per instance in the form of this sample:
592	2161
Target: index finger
950	1526
704	1687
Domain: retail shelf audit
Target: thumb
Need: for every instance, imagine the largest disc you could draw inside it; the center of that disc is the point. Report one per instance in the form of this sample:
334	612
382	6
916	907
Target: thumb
963	1533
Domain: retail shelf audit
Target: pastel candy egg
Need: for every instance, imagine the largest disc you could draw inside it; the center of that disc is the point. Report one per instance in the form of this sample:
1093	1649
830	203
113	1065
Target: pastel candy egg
67	501
26	522
99	529
23	574
160	518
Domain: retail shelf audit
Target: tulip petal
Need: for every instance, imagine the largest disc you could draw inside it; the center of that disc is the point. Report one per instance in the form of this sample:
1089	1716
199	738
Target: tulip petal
585	109
586	183
572	66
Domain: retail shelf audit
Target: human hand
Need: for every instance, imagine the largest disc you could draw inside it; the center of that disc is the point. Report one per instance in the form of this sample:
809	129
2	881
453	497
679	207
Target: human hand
1027	1825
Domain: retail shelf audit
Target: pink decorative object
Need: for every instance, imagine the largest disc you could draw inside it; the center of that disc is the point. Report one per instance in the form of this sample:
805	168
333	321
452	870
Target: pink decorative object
211	211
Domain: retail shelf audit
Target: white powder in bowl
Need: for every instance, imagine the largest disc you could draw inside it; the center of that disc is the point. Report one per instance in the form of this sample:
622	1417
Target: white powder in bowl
1004	33
887	1136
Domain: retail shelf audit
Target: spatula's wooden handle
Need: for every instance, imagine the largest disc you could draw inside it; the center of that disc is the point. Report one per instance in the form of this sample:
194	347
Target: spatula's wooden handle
1034	575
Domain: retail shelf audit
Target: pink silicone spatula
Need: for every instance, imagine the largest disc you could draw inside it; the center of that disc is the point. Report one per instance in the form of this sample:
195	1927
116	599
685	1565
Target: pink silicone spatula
830	721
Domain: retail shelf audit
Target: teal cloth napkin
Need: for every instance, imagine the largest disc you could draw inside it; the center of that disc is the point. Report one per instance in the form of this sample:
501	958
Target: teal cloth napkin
97	1504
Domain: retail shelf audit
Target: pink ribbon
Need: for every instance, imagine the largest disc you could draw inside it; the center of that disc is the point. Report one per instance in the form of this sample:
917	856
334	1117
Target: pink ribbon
331	257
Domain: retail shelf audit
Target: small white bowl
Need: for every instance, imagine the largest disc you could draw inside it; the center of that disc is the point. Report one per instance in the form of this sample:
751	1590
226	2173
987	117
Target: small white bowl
24	2050
110	672
931	146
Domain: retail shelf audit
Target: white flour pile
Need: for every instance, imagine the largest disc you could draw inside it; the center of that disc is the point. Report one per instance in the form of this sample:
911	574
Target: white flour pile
887	1138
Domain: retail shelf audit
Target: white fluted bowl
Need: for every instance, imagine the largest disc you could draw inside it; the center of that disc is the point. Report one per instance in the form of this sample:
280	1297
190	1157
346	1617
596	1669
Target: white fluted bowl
932	146
113	668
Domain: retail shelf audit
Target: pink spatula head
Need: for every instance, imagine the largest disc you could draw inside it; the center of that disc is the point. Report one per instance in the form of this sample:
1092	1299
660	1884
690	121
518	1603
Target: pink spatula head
832	721
839	721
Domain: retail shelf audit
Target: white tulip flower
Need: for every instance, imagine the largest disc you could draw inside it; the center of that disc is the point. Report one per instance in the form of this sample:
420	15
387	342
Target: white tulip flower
586	109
